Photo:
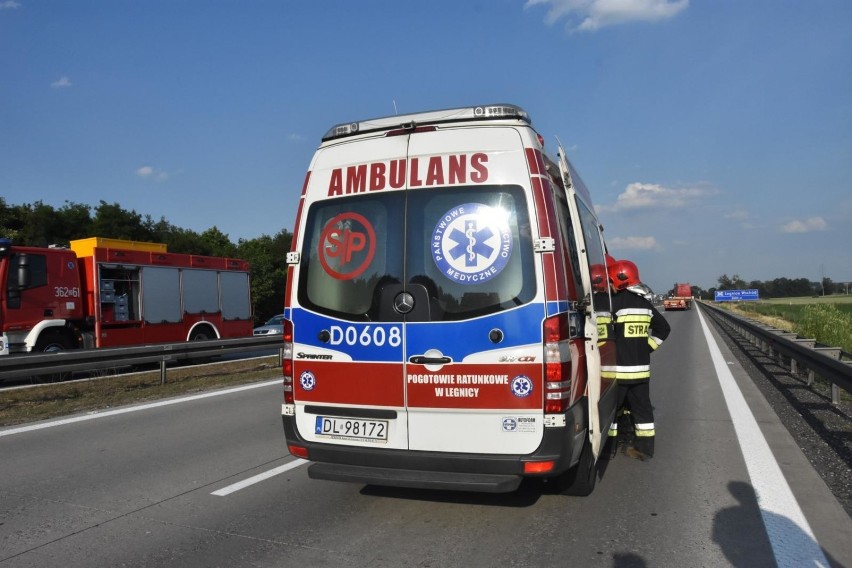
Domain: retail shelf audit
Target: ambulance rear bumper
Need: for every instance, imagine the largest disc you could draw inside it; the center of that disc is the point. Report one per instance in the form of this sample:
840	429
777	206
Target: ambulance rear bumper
490	473
393	477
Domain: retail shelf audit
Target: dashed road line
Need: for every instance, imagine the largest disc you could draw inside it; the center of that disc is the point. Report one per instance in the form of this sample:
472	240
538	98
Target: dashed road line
258	478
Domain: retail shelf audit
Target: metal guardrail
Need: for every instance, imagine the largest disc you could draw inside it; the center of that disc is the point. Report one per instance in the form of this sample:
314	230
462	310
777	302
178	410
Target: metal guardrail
27	365
831	363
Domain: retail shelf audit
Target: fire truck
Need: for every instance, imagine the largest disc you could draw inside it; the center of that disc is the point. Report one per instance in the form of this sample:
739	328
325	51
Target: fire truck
109	292
681	300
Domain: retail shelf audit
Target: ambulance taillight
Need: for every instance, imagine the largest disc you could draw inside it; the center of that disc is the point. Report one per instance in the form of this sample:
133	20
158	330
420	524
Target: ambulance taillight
557	364
287	362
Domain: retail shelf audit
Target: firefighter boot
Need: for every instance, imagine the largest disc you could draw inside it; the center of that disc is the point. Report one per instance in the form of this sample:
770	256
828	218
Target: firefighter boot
642	449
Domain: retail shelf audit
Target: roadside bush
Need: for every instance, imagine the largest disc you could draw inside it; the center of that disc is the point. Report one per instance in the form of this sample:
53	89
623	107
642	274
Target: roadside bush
827	324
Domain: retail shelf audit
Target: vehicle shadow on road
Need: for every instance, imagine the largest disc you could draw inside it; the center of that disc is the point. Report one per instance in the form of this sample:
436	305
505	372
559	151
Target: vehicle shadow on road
737	532
526	495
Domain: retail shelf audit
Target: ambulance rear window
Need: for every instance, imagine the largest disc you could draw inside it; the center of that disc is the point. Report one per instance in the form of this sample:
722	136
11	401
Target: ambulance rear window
467	251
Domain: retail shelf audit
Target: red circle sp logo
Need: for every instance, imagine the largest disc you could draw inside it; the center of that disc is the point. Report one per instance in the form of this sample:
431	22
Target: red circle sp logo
347	246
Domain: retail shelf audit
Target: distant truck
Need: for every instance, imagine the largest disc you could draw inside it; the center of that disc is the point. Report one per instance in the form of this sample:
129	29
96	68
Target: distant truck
110	292
682	299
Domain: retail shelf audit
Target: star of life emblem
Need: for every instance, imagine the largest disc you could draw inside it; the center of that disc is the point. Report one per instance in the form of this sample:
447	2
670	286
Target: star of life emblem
307	380
521	386
472	243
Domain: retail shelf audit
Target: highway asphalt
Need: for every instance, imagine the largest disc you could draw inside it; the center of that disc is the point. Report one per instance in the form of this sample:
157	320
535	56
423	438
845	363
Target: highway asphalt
207	481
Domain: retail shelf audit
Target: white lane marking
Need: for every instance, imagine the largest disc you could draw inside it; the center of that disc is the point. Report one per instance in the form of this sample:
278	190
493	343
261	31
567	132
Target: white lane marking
260	477
793	542
96	414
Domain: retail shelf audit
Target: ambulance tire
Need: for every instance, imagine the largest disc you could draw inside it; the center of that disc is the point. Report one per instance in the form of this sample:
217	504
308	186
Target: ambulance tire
579	481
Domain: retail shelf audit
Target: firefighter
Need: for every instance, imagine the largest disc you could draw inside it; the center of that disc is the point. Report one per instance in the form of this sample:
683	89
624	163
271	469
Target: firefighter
639	330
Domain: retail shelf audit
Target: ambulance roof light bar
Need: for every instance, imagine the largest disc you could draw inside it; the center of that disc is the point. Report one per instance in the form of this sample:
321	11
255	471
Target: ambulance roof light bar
481	112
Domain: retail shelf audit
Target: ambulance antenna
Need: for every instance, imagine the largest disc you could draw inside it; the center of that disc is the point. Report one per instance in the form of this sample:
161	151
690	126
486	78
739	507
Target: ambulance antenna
394	107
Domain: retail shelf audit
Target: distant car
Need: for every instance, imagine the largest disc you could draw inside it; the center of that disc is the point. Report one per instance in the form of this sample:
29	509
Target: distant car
275	326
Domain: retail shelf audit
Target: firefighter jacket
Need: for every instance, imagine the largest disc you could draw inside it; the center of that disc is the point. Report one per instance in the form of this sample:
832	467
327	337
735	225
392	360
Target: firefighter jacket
603	316
639	329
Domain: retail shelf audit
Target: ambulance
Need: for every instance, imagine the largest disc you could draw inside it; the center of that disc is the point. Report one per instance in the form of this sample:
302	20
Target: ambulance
441	328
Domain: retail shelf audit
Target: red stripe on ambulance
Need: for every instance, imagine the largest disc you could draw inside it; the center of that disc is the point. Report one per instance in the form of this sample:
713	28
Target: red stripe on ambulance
375	384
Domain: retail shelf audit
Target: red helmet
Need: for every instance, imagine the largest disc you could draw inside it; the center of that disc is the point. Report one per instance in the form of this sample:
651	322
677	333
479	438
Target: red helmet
624	274
597	272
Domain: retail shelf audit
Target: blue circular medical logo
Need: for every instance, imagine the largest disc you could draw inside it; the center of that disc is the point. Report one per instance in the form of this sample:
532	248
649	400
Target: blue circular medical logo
307	380
522	386
510	424
472	243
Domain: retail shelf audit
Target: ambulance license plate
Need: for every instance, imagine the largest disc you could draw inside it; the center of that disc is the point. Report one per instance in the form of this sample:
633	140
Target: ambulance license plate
352	428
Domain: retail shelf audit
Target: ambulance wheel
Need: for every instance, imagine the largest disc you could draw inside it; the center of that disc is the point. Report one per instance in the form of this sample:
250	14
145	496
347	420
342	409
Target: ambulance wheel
579	481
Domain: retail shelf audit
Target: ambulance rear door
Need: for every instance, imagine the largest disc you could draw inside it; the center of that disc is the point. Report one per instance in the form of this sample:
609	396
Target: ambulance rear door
348	354
472	303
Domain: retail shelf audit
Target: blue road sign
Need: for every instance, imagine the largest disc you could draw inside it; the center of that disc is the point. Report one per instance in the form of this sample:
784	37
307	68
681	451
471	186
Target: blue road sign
735	295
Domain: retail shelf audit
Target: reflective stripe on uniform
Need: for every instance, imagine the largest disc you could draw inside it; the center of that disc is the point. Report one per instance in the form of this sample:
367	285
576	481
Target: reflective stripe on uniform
626	372
634	312
645	430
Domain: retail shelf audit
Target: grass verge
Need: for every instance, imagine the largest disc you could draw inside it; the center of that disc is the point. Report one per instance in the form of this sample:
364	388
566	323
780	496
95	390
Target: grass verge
829	323
18	406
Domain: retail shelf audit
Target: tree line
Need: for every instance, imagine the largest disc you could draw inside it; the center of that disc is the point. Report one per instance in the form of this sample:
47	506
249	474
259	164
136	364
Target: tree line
777	288
41	225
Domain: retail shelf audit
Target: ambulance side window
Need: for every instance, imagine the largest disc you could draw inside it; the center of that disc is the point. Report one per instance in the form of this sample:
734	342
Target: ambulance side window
594	252
567	228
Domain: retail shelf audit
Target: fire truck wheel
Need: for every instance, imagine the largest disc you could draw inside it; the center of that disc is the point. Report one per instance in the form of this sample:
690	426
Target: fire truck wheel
51	341
579	481
202	334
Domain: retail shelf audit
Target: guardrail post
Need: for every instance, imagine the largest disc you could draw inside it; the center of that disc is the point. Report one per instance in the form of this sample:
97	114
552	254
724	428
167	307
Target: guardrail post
835	394
794	366
162	371
810	378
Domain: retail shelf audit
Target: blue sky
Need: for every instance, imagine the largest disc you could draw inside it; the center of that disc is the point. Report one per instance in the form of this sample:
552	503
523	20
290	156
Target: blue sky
715	136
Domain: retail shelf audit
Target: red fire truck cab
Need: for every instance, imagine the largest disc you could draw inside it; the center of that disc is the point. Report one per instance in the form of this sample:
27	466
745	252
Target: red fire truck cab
110	292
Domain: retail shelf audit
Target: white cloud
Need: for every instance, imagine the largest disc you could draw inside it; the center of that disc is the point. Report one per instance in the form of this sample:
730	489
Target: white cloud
9	5
147	172
293	137
61	83
591	15
809	225
737	215
641	195
632	243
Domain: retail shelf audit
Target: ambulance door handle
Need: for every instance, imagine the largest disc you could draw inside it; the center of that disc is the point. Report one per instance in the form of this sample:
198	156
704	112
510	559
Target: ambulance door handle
422	360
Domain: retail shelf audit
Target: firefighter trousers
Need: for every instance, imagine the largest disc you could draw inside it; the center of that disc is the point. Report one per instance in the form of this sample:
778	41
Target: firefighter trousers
636	395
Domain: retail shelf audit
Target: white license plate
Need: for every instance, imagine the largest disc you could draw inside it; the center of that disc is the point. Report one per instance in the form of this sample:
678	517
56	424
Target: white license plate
352	428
